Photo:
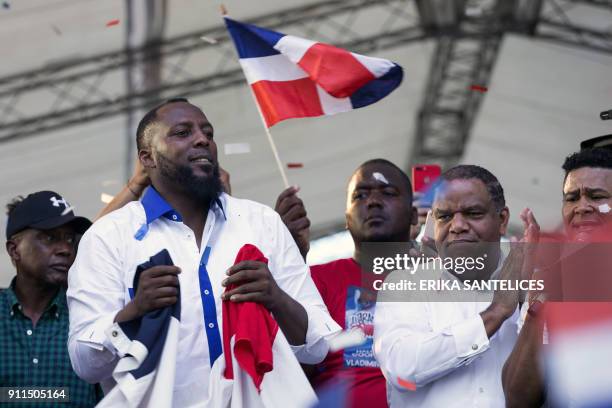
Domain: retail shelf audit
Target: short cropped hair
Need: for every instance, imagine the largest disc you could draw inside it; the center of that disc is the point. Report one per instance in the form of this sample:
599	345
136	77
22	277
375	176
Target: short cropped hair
14	203
470	171
149	118
386	162
593	157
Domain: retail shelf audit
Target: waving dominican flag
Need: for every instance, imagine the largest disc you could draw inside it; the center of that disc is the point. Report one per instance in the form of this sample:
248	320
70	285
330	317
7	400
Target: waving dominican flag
292	77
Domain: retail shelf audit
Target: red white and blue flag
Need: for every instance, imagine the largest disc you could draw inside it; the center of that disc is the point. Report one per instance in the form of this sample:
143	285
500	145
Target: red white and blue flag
292	77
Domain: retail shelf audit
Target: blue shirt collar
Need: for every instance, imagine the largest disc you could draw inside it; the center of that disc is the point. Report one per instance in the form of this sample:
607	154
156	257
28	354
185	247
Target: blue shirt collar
156	206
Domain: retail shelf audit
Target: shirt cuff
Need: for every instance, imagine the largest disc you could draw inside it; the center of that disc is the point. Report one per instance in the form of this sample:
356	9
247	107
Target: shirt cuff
470	337
320	328
95	337
120	342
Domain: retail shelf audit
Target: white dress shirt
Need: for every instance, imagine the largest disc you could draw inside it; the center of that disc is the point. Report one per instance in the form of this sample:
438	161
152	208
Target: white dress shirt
100	284
442	348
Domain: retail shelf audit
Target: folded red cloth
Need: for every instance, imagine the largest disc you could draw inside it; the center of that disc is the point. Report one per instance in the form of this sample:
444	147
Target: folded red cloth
254	327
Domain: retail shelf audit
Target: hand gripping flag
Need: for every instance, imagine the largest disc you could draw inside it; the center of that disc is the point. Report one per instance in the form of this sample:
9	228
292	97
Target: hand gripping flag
292	77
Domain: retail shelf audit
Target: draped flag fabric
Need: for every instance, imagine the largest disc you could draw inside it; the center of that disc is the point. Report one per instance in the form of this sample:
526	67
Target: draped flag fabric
259	369
148	347
292	77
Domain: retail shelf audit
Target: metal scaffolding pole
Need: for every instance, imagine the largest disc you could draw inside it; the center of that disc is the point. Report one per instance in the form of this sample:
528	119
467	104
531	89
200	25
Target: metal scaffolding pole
85	89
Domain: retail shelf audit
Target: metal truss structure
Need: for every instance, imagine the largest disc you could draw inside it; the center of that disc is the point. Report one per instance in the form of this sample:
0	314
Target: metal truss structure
468	34
85	89
466	51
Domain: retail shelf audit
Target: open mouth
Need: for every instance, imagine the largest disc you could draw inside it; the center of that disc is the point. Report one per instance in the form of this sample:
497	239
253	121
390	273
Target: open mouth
201	160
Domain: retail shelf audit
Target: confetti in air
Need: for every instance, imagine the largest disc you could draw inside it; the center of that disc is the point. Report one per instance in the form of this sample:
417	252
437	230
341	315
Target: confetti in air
479	88
237	148
406	384
208	39
112	23
6	5
295	165
106	198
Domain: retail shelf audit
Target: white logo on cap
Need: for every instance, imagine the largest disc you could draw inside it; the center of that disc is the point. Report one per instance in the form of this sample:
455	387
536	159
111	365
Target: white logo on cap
56	202
67	207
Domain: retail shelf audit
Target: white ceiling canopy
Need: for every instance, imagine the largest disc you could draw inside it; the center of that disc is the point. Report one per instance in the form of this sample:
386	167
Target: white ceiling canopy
542	77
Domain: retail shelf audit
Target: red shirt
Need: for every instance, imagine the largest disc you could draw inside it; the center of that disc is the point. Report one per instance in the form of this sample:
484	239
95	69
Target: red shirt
366	384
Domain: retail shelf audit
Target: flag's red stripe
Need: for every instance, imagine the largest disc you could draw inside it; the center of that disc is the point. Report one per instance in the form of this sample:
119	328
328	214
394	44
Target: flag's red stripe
280	100
335	70
563	316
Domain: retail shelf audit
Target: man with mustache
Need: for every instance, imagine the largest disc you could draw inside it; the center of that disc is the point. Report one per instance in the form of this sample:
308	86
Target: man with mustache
587	200
41	236
202	228
450	352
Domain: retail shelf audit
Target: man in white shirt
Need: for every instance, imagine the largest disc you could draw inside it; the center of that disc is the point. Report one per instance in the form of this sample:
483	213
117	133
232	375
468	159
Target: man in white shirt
450	352
202	228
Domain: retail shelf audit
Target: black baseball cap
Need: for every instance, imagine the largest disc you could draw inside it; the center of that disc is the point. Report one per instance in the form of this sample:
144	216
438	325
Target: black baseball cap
44	210
604	141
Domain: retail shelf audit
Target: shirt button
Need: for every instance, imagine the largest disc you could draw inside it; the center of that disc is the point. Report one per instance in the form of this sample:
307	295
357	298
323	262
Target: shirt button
114	333
474	347
35	361
206	292
211	325
12	313
29	332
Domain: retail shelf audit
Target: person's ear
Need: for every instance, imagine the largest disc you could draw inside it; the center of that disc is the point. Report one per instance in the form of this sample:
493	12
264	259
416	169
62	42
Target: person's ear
504	215
13	250
414	216
145	156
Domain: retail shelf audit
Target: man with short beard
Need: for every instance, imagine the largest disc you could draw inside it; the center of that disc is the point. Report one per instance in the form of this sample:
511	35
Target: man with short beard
185	212
449	352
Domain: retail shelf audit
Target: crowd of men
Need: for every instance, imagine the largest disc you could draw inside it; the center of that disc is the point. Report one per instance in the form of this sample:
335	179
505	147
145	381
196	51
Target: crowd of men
60	316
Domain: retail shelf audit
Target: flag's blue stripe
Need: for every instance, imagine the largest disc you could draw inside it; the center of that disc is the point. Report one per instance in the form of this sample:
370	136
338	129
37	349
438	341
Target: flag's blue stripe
252	41
377	89
210	311
151	329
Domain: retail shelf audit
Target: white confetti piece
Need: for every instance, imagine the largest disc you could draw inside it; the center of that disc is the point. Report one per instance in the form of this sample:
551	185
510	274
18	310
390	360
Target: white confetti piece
106	198
107	183
237	148
349	338
208	39
379	176
604	208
